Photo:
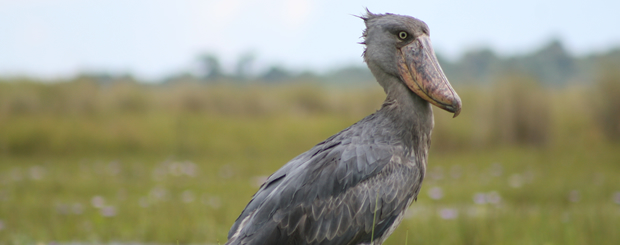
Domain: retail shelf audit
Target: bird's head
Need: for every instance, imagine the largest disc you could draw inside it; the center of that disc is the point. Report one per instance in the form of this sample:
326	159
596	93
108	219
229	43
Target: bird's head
399	46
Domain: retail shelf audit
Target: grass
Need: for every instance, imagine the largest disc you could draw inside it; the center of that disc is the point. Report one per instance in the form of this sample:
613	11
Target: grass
561	199
177	165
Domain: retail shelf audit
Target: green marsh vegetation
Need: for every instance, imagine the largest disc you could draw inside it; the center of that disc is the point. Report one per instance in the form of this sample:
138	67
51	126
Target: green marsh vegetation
131	162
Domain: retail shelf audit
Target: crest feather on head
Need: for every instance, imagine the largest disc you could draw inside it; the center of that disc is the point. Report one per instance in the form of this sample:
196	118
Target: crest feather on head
369	17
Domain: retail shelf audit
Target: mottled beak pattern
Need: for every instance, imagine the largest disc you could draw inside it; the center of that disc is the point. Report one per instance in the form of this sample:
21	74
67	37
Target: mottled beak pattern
420	70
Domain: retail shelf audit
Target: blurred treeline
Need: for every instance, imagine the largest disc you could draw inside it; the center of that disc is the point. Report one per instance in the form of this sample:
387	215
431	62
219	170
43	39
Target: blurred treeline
551	65
544	99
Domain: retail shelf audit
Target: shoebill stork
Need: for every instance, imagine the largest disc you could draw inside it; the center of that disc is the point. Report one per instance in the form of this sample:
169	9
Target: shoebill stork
354	187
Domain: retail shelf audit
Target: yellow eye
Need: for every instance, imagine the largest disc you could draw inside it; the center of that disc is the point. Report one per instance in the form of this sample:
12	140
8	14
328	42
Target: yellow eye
402	35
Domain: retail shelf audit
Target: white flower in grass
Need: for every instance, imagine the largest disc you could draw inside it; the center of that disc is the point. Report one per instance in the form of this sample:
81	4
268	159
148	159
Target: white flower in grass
448	213
493	197
212	201
515	181
108	211
37	172
158	193
574	196
616	197
190	168
483	198
175	169
480	198
97	201
435	193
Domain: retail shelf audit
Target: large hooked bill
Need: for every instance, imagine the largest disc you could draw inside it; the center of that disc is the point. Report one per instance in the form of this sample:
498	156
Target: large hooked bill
420	70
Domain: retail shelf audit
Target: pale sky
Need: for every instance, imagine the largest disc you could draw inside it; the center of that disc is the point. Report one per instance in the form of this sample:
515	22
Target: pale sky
155	38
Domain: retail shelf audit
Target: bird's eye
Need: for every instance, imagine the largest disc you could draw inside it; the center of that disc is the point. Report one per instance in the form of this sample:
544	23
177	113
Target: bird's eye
402	35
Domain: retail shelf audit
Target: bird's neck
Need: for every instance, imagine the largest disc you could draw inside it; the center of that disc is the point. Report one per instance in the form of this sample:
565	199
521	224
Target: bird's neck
412	116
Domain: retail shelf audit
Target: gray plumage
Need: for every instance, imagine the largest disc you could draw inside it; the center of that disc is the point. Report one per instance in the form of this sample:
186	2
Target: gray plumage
329	194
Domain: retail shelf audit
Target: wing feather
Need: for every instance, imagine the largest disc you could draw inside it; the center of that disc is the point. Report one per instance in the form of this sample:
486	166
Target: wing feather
331	193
